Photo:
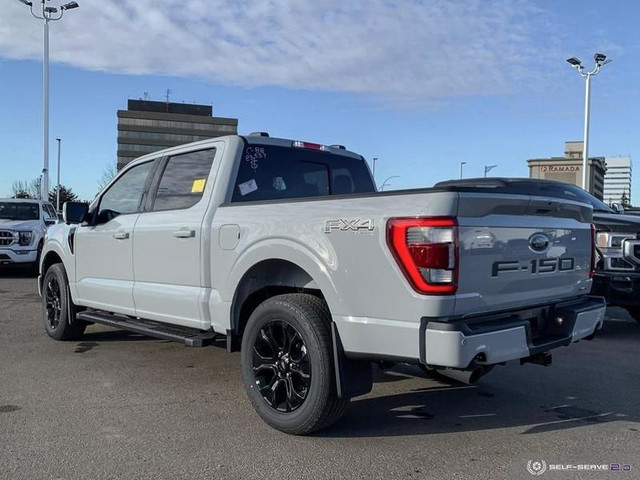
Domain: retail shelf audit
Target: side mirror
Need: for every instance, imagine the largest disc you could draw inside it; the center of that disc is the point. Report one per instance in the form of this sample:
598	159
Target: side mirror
50	221
74	212
618	207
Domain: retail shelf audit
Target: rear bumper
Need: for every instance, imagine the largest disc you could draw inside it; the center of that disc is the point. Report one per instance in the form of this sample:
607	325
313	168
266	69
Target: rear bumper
9	256
491	339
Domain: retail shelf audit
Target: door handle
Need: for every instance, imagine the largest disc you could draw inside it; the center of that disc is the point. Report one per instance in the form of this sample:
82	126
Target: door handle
184	233
121	235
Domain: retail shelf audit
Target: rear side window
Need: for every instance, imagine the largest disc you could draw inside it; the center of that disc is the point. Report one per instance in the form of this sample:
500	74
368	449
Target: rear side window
183	180
270	172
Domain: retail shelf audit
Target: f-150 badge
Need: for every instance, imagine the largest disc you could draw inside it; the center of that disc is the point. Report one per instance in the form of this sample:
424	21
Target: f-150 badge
358	225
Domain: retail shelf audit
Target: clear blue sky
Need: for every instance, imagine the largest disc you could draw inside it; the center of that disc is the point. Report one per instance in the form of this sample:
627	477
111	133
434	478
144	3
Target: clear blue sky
420	85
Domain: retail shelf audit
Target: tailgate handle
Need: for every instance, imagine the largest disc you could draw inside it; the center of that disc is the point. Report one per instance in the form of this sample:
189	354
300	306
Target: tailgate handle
543	211
184	233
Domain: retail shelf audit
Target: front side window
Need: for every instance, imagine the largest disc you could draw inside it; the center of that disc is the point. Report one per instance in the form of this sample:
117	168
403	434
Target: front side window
125	194
50	210
46	213
183	180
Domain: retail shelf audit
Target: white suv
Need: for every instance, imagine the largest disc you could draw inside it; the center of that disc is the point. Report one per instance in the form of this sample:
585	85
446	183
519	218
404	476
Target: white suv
23	223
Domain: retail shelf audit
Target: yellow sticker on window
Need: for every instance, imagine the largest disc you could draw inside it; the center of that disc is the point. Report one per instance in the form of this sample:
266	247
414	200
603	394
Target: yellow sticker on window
198	185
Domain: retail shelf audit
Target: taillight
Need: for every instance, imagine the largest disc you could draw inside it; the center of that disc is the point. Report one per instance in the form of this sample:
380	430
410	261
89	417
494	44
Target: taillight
309	145
426	250
592	269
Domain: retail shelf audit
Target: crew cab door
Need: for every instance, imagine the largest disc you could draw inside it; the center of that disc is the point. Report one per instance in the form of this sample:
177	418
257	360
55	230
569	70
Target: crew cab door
104	249
168	242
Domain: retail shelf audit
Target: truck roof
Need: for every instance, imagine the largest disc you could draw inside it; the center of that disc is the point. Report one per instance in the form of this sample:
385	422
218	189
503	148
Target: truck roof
249	139
23	200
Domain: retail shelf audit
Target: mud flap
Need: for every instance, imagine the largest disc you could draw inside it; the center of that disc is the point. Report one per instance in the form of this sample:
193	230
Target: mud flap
353	377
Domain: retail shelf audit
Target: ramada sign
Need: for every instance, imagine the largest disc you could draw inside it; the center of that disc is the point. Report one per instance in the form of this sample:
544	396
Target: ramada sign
553	168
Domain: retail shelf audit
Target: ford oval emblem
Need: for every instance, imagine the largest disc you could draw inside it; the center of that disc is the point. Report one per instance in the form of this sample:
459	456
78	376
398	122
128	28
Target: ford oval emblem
538	242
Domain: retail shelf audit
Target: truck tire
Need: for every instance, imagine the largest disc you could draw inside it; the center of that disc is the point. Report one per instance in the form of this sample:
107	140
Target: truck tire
287	364
57	307
635	313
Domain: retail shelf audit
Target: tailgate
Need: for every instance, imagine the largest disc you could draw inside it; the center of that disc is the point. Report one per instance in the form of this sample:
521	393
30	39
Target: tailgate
519	250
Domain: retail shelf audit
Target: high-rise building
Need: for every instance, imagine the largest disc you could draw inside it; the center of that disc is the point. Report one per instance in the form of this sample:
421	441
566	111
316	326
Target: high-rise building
148	126
569	168
617	180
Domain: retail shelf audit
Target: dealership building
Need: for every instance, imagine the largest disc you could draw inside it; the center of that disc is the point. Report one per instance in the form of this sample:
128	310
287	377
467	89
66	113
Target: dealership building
147	126
569	169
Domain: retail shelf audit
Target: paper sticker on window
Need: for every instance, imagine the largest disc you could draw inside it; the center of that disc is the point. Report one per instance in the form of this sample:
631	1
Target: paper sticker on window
198	185
248	187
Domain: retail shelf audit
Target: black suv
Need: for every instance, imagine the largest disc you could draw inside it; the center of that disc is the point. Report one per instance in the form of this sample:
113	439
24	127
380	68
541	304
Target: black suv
617	275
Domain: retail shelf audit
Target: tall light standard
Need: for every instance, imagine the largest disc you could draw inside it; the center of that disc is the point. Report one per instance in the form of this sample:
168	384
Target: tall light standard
59	140
385	183
375	159
488	168
460	173
47	14
601	59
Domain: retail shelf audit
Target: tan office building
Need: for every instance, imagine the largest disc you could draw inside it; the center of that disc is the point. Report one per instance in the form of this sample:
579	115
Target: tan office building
569	169
148	126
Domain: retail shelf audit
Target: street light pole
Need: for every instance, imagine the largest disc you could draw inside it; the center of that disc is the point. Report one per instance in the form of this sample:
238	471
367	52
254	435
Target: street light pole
461	164
384	184
59	140
47	15
488	168
601	60
375	159
585	142
45	108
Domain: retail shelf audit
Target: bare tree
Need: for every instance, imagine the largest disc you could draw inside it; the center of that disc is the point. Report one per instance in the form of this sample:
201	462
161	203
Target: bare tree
26	189
20	189
108	173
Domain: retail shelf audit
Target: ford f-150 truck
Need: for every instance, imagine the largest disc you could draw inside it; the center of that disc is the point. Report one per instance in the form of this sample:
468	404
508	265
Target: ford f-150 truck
286	249
22	226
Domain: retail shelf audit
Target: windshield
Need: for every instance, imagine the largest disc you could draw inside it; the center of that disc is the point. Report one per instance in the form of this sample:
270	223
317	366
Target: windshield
19	211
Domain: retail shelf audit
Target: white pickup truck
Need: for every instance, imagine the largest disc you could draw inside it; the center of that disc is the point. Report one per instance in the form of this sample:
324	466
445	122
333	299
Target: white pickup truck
286	249
23	223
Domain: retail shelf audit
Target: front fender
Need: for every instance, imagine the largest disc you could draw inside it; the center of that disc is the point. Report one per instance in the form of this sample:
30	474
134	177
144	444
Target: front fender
56	244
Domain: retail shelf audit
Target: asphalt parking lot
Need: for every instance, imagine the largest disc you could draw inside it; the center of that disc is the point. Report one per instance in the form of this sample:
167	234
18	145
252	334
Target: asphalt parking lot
118	405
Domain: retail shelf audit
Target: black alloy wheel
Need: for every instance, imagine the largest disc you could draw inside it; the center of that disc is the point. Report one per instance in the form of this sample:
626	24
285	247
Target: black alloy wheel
53	302
287	364
58	310
281	366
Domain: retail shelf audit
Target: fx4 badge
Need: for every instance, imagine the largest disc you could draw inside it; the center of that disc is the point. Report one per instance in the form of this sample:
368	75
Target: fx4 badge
359	225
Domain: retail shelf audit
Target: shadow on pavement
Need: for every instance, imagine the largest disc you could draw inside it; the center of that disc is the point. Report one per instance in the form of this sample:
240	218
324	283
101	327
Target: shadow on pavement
460	408
18	271
445	406
116	336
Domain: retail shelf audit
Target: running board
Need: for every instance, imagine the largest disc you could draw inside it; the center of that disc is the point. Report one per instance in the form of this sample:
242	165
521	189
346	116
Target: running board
189	336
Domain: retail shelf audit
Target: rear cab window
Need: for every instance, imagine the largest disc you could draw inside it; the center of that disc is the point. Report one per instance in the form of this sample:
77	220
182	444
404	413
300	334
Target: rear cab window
273	172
